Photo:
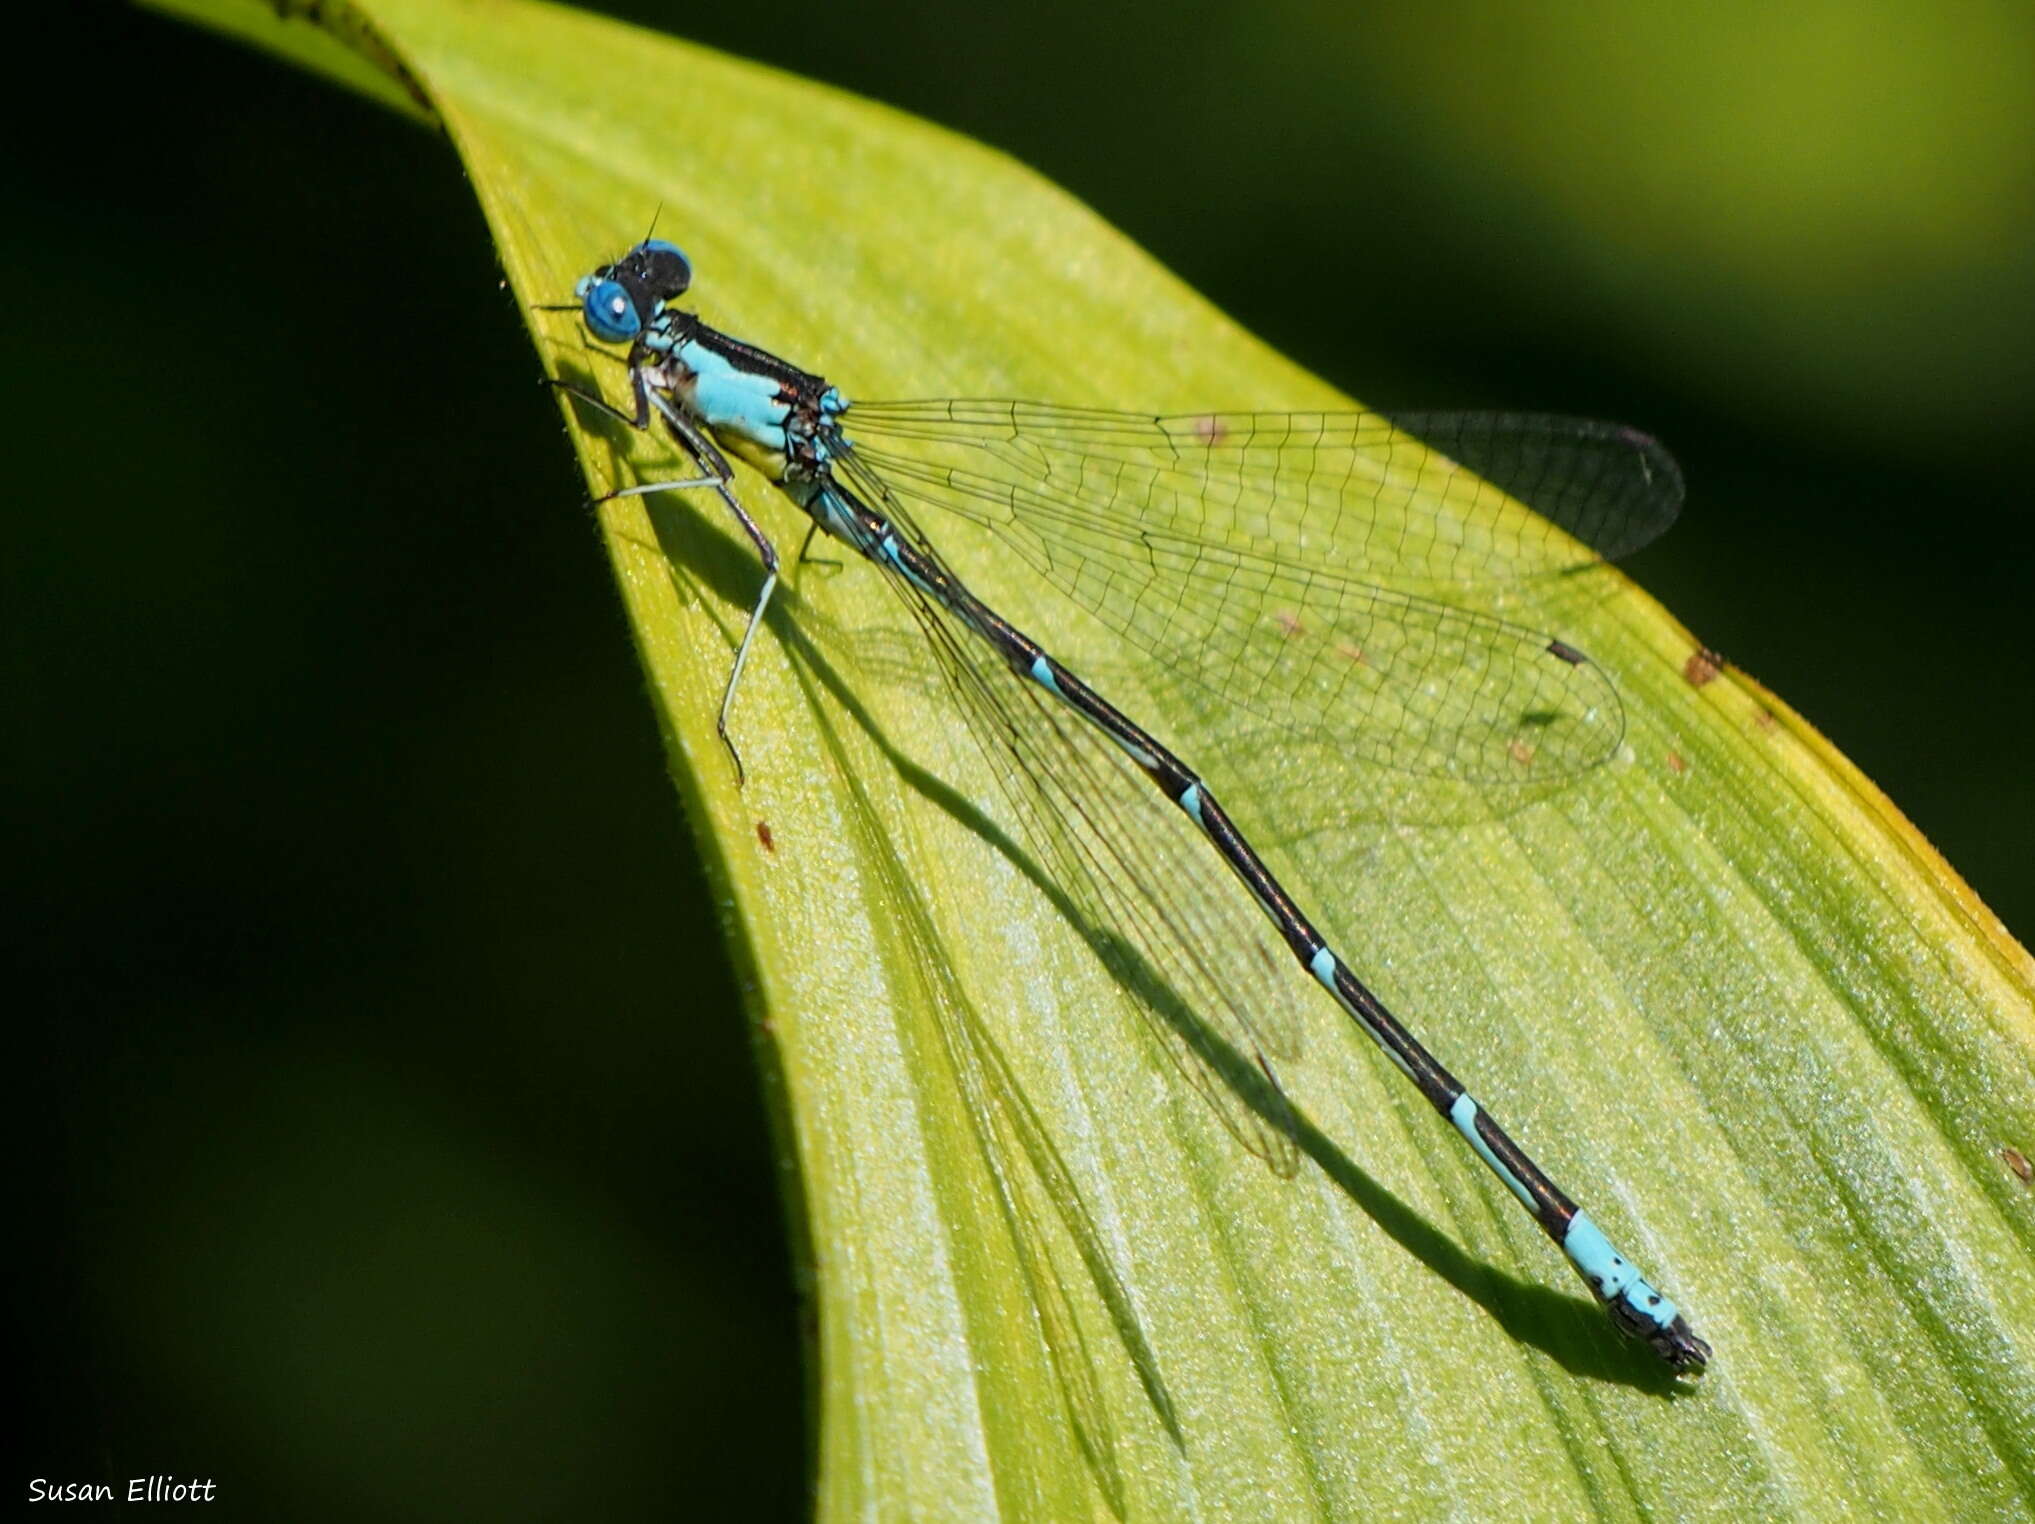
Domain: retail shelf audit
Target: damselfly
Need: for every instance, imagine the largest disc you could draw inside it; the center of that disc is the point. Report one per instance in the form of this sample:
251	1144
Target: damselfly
1288	560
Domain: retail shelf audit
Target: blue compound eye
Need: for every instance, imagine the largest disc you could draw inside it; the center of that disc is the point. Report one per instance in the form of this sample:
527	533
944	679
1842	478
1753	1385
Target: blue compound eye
610	311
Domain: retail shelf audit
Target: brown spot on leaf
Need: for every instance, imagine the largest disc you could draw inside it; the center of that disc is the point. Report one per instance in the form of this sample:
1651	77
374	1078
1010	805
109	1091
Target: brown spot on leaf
1702	667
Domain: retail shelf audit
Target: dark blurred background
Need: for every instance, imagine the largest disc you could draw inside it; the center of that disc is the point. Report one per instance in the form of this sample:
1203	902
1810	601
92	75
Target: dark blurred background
374	1162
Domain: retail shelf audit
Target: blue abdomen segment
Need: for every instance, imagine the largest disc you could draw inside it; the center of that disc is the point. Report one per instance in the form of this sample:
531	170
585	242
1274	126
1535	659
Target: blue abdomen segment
1617	1282
1464	1115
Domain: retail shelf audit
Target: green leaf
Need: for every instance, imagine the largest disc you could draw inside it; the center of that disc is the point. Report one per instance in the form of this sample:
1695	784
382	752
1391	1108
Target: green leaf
1720	987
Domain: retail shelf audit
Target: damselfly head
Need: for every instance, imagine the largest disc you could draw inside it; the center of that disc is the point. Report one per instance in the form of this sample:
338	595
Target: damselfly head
662	267
618	300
